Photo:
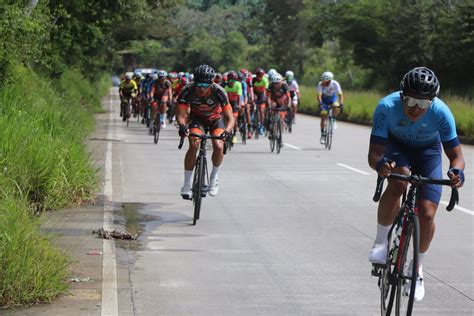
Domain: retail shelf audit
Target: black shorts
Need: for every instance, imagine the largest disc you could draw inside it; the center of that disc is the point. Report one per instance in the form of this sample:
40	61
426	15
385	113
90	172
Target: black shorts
261	98
202	124
235	106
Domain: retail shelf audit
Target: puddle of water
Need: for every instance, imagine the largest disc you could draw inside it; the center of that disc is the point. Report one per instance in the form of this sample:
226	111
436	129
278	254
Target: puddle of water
135	223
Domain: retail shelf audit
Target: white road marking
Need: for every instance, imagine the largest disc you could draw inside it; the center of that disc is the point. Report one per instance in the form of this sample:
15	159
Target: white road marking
462	209
353	169
292	146
109	269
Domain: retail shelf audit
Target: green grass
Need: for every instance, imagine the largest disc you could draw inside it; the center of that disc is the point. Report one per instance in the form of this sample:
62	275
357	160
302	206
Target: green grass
360	105
44	166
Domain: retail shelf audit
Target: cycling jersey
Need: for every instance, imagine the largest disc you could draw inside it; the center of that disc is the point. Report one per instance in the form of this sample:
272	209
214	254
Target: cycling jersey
160	89
329	92
279	93
259	88
244	91
208	108
390	122
294	88
235	92
128	88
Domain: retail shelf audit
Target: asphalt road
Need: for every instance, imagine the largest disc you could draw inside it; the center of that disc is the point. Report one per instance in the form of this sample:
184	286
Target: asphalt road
288	234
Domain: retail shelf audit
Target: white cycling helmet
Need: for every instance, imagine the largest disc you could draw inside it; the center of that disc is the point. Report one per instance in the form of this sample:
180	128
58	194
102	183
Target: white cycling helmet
128	76
162	74
271	72
289	74
327	75
276	77
154	76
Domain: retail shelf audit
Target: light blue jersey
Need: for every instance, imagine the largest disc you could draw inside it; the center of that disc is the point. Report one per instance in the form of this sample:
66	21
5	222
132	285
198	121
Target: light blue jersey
436	125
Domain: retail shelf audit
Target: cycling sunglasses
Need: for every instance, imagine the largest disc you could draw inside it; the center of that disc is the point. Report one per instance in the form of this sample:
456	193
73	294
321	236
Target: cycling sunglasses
204	85
421	103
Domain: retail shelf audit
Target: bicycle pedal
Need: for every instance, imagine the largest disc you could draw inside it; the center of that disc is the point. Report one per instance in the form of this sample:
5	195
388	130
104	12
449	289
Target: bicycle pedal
187	197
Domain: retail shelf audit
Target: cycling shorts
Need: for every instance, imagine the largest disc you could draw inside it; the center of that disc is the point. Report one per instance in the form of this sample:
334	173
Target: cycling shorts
325	107
197	125
235	106
261	98
425	162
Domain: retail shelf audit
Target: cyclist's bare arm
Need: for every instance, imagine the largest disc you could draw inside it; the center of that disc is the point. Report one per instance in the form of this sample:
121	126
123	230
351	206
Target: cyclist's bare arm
228	117
376	152
456	160
320	98
182	114
341	98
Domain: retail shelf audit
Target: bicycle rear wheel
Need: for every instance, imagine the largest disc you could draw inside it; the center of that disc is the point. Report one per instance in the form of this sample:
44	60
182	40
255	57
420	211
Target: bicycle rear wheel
197	188
407	266
289	120
279	136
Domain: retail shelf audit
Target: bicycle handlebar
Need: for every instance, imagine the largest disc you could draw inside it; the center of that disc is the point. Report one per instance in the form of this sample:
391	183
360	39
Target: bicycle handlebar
417	180
203	136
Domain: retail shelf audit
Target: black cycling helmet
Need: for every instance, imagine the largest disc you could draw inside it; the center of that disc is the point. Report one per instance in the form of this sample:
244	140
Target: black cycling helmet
420	82
204	74
232	75
259	71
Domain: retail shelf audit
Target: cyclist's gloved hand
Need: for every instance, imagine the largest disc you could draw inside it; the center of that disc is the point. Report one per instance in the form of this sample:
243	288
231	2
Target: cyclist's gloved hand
384	166
183	131
457	177
226	134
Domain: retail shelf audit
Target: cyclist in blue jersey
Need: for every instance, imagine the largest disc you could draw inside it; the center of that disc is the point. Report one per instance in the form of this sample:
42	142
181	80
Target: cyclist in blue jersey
409	127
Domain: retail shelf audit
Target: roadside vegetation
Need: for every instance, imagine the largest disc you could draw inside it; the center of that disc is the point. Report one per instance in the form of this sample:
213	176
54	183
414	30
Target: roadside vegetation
44	165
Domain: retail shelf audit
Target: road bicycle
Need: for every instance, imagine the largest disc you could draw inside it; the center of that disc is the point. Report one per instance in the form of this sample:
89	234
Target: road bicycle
200	185
156	127
125	109
397	277
275	130
242	123
329	130
289	120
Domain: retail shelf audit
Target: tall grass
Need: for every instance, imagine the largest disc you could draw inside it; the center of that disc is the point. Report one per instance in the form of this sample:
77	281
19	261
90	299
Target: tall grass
44	166
360	105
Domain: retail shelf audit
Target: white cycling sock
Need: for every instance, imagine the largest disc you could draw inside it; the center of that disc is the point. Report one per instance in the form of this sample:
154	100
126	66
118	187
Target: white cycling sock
214	172
188	174
382	232
421	256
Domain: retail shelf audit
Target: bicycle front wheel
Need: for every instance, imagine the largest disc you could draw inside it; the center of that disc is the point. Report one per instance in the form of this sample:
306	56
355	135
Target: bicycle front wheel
271	136
328	139
197	188
156	129
278	136
387	281
407	266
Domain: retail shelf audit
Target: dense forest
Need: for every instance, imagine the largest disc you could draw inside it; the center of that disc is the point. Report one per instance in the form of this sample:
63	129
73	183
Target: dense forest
367	43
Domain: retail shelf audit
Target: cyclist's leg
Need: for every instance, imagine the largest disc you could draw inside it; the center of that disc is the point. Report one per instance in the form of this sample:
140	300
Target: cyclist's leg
163	108
336	109
217	129
235	111
195	126
390	200
428	164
